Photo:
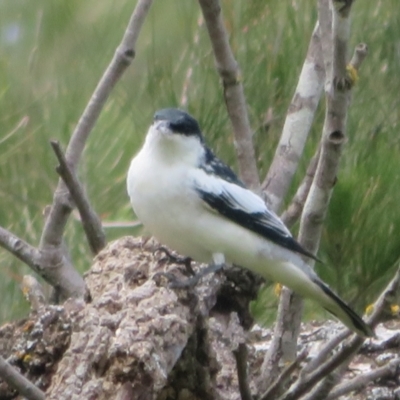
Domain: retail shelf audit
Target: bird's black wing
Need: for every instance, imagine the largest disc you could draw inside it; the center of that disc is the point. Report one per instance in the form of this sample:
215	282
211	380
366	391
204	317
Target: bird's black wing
220	189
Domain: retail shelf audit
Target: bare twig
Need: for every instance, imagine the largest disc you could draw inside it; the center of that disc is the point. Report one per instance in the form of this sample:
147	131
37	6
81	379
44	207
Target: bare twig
305	383
333	138
390	369
26	388
90	220
275	186
277	385
241	355
326	350
20	249
233	91
293	212
344	354
297	125
54	260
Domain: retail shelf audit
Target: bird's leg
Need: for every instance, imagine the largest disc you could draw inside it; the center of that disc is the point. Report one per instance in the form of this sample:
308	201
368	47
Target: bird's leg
186	261
217	264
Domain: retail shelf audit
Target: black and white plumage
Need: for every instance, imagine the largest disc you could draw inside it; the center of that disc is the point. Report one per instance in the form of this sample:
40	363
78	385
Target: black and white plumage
192	202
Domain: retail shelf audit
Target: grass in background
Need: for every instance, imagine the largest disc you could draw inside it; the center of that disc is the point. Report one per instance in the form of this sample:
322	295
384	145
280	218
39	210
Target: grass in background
52	56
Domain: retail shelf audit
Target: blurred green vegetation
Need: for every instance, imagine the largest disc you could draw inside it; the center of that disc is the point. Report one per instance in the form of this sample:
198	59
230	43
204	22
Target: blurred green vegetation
52	55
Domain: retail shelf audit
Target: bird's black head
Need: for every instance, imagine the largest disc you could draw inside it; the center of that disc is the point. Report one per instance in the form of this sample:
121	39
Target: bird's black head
179	122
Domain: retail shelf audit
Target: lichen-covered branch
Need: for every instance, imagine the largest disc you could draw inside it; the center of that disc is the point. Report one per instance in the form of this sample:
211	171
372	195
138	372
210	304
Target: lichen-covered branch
235	100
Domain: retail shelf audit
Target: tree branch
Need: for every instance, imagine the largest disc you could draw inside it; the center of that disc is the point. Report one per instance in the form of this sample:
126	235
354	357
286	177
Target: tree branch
19	248
19	382
277	385
363	380
233	91
343	356
90	220
315	207
275	186
299	118
51	240
293	212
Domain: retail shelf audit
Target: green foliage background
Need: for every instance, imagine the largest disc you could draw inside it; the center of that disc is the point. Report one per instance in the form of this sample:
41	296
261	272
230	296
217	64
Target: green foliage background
52	55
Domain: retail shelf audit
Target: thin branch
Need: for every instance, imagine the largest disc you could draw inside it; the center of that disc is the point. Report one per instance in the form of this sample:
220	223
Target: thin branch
326	350
233	91
305	383
293	212
316	205
298	122
299	118
361	381
51	240
20	249
241	356
13	378
277	385
90	221
343	356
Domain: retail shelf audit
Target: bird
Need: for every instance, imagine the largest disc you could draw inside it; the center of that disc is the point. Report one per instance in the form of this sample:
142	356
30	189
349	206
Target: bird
194	203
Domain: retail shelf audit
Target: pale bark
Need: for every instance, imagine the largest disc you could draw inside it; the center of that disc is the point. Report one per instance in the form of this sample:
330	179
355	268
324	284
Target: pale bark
299	118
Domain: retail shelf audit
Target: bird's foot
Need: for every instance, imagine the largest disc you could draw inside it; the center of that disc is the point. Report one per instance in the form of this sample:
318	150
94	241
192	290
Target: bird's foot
194	280
185	261
175	283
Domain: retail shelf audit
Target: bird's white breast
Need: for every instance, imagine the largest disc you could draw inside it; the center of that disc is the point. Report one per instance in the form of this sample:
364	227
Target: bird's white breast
162	198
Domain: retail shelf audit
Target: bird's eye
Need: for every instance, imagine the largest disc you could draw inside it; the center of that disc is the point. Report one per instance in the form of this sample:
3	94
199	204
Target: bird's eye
183	126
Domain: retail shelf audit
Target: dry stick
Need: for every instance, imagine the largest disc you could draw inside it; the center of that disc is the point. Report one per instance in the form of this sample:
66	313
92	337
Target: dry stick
326	350
233	92
334	136
90	220
19	248
293	212
241	355
277	385
13	378
361	381
55	270
381	308
297	126
304	384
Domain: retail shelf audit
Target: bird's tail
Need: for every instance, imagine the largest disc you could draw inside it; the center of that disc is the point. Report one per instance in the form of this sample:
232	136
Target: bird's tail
336	306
